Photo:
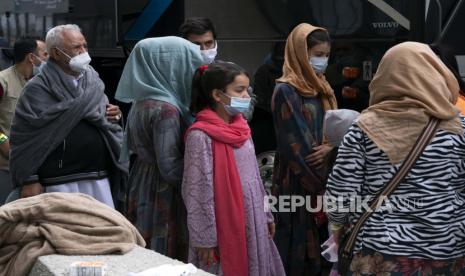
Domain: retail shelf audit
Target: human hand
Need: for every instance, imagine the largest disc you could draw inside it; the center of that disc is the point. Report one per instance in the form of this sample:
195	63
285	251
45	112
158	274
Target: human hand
31	190
5	149
113	113
317	157
208	256
338	234
271	230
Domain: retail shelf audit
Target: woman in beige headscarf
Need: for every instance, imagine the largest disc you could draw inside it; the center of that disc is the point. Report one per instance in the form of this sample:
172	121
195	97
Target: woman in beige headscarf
421	230
301	97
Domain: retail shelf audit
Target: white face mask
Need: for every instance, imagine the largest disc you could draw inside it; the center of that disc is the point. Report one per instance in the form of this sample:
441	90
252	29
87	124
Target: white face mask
78	63
210	54
319	64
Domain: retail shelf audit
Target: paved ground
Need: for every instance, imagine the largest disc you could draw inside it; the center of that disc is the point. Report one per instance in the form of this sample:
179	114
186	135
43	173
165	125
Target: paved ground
137	260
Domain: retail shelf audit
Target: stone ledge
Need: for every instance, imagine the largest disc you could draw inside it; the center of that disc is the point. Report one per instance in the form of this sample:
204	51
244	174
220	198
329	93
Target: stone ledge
137	260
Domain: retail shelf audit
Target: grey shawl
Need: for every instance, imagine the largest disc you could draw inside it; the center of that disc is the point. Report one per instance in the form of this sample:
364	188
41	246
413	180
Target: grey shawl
49	108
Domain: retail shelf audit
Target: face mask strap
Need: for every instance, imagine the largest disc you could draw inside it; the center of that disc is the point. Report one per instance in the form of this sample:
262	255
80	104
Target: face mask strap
68	56
216	46
224	93
211	49
38	58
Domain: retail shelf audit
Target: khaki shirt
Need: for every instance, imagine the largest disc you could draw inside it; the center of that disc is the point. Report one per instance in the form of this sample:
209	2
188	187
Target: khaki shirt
12	83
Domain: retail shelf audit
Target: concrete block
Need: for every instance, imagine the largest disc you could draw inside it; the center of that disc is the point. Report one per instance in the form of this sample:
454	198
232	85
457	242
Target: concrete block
137	260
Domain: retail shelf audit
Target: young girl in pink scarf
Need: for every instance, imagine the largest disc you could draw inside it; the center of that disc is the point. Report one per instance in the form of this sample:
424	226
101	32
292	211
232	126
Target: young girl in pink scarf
230	233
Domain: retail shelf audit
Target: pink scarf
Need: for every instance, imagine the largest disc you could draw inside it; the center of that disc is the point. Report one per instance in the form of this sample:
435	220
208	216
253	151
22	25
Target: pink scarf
229	201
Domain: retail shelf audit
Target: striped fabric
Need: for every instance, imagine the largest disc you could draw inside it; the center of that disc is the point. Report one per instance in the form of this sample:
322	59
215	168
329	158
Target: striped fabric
425	216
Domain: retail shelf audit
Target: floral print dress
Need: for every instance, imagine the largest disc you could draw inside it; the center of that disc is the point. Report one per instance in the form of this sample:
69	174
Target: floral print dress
299	127
155	206
369	262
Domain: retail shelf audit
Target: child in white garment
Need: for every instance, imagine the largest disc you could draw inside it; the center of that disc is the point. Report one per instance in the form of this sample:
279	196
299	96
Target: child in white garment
335	126
337	123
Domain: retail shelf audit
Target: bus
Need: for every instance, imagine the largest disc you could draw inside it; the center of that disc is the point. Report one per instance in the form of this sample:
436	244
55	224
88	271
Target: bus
362	30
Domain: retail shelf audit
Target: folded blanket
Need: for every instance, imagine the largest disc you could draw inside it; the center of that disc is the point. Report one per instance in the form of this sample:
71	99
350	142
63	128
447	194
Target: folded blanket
60	223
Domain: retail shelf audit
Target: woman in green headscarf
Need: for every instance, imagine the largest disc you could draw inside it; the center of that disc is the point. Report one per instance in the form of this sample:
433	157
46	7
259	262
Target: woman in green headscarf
157	80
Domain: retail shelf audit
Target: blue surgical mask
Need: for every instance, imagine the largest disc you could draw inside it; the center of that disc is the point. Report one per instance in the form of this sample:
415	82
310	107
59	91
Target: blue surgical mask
37	68
237	105
319	64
